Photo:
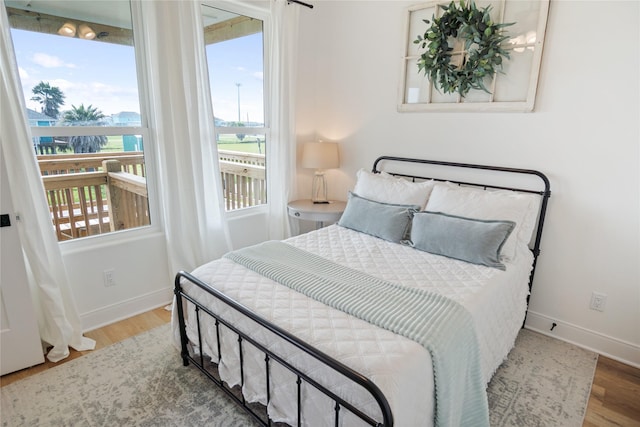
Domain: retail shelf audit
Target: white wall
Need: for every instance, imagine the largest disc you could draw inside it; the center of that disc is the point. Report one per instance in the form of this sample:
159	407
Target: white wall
584	134
141	278
138	258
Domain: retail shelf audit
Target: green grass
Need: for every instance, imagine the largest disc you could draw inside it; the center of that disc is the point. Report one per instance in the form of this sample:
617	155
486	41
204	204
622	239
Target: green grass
243	147
226	142
114	145
248	145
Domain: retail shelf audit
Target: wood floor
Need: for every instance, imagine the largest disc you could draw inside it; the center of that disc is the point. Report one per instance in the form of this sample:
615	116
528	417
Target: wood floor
615	395
614	401
104	337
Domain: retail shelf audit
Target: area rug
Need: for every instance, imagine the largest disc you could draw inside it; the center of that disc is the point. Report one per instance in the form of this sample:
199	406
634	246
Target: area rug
141	382
544	382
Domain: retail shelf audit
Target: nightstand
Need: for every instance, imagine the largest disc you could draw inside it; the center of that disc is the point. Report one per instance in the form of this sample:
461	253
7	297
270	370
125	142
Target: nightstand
320	212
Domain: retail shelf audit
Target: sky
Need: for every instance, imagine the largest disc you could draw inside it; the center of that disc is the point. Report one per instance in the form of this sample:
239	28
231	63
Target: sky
103	74
237	61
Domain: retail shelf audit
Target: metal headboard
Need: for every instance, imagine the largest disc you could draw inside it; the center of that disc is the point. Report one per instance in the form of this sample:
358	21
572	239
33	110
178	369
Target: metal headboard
544	193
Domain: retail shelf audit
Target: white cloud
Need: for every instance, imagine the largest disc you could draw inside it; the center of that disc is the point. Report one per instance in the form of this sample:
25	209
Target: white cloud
62	84
104	89
258	75
107	98
49	61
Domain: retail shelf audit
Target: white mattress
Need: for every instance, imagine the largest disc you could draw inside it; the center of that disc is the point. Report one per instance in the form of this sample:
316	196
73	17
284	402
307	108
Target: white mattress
400	367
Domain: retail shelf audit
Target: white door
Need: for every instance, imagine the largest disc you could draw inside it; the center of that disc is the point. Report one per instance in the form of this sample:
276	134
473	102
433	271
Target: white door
20	345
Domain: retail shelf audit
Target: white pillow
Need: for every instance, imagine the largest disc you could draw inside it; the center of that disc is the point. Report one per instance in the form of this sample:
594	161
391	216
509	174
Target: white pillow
386	188
489	205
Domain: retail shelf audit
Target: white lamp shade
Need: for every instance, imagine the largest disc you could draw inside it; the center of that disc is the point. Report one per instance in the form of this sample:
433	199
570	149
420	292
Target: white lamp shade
320	155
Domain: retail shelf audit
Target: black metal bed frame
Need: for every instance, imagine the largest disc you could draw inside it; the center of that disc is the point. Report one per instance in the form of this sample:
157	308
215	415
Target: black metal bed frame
258	412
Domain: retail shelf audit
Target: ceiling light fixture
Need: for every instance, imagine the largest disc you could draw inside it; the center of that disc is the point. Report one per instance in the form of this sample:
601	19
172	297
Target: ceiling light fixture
68	29
86	32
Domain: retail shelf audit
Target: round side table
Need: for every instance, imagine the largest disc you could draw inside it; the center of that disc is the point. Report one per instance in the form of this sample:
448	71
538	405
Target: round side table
318	212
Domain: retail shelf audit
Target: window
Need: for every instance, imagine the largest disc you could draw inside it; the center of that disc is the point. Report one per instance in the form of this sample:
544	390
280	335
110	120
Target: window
78	72
234	49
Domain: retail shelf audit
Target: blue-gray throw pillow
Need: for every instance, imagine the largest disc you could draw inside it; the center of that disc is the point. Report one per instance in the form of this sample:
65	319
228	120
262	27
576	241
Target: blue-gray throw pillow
467	239
384	220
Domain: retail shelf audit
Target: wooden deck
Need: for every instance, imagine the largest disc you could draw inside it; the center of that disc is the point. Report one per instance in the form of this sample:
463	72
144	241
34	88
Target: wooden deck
91	194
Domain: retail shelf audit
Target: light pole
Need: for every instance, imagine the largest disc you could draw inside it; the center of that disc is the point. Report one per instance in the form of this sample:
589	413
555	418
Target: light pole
239	84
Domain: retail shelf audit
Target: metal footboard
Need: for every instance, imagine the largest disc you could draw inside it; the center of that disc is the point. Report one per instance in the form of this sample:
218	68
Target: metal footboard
260	415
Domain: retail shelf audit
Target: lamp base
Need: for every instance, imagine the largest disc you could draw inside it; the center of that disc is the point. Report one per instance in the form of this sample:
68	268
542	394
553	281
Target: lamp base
319	189
321	202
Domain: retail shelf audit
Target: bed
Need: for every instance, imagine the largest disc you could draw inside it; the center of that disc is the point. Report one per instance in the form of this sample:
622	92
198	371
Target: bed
399	314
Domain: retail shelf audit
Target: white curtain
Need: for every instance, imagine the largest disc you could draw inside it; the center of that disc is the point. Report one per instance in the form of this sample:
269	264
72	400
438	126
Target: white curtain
58	318
281	149
181	118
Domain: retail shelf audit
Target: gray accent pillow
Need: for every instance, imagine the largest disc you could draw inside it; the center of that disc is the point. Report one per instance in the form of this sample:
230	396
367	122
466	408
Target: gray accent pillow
473	240
384	220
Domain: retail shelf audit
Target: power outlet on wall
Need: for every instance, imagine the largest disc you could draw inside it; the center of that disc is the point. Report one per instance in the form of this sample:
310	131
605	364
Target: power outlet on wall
108	278
598	301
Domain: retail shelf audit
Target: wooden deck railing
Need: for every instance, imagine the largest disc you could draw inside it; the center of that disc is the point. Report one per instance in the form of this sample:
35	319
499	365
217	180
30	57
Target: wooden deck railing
243	178
91	194
131	161
78	204
97	193
127	198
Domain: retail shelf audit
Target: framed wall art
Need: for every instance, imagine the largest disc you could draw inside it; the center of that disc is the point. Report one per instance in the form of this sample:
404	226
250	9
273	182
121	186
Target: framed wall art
472	56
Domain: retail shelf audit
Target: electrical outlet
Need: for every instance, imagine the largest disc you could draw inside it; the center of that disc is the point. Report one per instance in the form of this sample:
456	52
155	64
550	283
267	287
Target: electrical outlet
108	278
598	301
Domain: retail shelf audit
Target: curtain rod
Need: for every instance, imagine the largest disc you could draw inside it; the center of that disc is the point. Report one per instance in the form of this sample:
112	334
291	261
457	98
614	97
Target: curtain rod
310	6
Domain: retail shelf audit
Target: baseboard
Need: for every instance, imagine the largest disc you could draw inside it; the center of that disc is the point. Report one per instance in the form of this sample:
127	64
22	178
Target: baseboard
611	347
110	314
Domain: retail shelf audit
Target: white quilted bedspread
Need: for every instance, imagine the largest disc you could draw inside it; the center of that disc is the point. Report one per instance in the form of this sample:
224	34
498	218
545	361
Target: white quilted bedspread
399	367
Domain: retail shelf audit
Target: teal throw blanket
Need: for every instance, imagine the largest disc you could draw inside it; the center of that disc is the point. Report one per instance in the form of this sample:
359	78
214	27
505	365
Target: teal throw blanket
439	324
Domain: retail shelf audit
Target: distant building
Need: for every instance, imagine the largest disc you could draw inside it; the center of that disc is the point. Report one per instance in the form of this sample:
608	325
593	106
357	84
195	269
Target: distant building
39	119
126	118
42	144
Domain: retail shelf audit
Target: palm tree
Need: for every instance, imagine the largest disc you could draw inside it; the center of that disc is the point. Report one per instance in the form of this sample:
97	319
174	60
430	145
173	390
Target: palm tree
50	97
85	116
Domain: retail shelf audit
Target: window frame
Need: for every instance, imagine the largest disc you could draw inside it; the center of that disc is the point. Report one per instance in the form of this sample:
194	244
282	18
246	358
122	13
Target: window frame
263	14
156	220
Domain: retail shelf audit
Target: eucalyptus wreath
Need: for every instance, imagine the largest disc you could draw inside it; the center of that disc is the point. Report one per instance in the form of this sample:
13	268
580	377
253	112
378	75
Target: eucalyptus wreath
483	52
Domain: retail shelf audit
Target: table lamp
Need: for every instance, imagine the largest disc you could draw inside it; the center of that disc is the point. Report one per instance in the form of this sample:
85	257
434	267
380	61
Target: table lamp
320	156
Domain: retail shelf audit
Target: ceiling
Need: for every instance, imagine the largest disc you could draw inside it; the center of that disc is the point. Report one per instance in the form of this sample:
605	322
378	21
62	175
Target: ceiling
109	12
112	19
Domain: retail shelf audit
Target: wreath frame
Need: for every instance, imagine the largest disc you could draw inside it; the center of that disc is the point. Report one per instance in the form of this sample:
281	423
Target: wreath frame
483	53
